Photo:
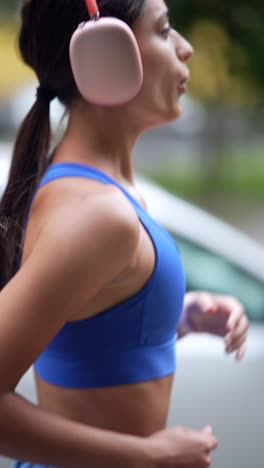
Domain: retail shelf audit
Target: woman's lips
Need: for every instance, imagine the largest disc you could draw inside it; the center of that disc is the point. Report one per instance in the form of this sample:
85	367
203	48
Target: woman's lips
182	89
183	84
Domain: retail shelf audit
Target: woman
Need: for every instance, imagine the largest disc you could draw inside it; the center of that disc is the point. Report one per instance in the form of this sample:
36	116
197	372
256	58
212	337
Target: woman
92	288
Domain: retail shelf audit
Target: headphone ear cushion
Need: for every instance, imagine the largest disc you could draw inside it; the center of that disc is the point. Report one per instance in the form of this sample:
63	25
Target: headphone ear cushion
106	62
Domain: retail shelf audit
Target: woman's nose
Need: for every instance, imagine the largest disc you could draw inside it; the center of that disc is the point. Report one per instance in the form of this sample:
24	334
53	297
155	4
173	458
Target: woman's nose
184	50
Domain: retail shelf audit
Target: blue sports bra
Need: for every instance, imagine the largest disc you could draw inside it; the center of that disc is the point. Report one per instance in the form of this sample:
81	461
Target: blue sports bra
132	341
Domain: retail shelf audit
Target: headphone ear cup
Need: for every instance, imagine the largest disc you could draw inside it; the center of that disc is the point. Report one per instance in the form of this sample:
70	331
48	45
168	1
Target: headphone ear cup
106	62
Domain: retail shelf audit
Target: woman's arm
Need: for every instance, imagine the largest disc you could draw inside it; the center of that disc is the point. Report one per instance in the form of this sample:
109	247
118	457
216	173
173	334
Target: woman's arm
29	433
73	258
218	315
183	328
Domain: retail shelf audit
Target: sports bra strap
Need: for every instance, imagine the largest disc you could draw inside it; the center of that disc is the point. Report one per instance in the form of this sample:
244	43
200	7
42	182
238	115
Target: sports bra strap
69	169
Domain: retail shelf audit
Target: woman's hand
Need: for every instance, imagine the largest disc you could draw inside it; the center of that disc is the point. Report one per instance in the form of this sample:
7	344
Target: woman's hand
180	447
218	315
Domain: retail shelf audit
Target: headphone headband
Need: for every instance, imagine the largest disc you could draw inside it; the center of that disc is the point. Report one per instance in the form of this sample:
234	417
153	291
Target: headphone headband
92	9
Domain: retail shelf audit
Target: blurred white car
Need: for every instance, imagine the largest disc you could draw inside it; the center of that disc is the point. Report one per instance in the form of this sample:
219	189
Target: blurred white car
210	387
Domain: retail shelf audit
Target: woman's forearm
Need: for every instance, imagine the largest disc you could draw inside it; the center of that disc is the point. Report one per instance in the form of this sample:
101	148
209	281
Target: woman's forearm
183	328
29	433
180	333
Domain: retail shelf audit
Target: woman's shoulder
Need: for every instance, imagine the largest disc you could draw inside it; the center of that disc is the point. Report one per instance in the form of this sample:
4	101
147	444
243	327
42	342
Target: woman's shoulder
100	216
67	194
104	210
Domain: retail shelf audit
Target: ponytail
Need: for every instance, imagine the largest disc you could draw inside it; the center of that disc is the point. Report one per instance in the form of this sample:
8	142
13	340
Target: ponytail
28	164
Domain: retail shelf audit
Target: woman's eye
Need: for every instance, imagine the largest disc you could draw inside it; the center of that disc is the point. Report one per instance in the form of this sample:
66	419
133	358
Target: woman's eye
166	31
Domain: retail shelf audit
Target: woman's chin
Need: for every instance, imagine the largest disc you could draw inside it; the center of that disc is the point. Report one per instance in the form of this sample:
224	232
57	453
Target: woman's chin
166	116
175	112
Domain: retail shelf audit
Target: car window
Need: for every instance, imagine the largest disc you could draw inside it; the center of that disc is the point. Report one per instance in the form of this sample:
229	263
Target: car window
208	271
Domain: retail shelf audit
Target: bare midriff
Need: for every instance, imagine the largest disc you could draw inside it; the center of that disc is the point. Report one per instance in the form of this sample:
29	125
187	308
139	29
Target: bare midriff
138	408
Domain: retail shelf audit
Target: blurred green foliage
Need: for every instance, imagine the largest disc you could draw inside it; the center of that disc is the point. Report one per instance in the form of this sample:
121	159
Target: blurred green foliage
8	6
237	178
231	33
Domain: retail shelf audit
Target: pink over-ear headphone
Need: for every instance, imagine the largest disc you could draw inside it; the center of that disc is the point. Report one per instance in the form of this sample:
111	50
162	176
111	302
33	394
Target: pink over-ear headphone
105	59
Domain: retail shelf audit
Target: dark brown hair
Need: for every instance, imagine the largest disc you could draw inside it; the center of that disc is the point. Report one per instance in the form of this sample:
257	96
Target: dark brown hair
46	30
